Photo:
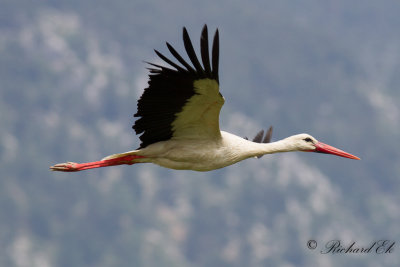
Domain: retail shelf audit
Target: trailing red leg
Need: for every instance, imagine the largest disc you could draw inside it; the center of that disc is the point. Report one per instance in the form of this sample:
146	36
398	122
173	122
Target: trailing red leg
74	167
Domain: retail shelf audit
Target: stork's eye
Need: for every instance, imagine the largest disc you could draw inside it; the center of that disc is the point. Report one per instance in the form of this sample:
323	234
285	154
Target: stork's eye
308	139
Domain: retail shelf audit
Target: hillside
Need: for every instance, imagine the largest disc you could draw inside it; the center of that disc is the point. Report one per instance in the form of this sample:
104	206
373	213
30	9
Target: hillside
72	71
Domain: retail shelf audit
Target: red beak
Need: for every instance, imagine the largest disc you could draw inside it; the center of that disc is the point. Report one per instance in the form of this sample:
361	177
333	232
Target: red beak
327	149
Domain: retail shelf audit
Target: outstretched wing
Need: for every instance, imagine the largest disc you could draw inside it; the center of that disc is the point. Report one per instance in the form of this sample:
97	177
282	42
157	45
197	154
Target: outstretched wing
182	102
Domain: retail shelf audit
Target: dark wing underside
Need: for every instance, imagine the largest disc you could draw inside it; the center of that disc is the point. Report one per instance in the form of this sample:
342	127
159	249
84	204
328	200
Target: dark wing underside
182	101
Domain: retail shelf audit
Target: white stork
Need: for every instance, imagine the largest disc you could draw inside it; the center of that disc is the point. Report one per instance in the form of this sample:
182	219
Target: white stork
179	120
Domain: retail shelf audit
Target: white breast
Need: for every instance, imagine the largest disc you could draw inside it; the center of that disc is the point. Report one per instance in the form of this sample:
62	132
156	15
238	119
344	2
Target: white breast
199	155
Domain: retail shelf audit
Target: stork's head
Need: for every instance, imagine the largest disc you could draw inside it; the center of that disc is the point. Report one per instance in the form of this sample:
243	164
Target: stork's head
307	143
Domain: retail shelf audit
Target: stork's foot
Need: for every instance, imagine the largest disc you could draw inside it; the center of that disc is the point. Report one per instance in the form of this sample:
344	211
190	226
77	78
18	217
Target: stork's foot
65	167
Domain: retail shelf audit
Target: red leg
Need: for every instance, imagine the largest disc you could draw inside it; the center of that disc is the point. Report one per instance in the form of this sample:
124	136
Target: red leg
74	167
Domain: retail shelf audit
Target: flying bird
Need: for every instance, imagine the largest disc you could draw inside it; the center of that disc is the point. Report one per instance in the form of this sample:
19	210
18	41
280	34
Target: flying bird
178	120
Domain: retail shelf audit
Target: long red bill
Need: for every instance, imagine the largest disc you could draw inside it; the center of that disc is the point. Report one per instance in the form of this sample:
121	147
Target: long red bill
327	149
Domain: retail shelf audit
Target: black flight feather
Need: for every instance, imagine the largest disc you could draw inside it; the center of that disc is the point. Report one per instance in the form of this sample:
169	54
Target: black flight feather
180	59
205	55
176	66
268	135
190	51
215	56
259	136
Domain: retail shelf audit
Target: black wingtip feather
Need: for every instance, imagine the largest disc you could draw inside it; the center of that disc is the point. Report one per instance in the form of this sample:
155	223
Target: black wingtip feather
268	135
179	58
191	53
259	136
215	56
205	55
207	70
176	66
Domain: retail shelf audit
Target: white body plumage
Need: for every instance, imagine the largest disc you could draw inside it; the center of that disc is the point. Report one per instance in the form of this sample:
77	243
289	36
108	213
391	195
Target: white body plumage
211	154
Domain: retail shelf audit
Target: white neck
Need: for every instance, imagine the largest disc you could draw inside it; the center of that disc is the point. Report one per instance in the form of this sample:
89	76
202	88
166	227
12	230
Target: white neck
240	148
260	149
